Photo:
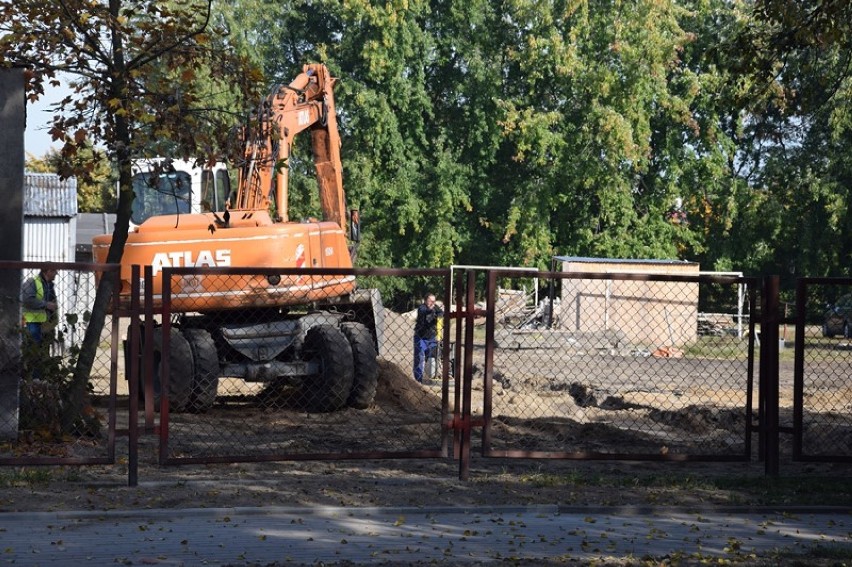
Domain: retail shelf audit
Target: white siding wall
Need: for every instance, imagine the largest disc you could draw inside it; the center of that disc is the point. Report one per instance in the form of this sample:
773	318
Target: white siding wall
49	239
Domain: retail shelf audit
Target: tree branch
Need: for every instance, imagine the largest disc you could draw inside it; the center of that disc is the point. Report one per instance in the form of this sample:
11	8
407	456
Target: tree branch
88	40
149	54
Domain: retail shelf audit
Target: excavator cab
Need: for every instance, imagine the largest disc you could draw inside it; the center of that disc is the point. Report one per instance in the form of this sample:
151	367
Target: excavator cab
163	186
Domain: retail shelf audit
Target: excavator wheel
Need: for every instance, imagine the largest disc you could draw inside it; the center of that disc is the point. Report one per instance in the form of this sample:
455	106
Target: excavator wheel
205	370
328	390
366	367
180	369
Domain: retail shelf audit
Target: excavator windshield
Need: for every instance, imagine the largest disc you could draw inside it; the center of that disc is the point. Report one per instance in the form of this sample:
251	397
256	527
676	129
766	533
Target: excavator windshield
160	194
215	189
178	188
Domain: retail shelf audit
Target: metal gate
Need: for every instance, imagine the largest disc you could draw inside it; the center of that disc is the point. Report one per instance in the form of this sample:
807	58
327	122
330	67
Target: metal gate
610	366
257	417
605	366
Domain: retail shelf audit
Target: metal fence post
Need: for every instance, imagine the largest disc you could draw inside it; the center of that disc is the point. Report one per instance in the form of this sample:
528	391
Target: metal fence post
133	370
487	409
457	363
467	387
769	371
148	349
165	368
799	367
447	361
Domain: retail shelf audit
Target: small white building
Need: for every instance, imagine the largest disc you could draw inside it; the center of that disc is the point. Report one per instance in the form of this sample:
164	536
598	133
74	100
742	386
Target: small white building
648	312
50	218
90	225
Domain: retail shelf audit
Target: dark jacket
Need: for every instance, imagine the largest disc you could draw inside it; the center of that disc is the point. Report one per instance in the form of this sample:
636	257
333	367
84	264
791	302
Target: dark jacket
426	326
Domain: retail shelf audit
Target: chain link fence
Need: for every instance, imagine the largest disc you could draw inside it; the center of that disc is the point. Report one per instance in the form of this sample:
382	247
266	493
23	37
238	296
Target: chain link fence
313	369
614	366
822	414
48	416
553	365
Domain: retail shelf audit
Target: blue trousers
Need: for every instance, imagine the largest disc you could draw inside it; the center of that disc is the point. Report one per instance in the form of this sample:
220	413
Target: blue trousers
422	349
33	356
34	330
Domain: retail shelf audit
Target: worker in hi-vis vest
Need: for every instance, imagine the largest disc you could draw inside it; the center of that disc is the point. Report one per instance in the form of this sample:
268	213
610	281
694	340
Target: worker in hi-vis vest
39	303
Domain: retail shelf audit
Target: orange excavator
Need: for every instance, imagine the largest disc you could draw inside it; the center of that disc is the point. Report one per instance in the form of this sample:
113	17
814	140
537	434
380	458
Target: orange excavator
318	333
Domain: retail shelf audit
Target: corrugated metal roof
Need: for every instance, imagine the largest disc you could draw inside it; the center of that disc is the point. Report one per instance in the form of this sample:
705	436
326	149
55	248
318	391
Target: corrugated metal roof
588	260
48	195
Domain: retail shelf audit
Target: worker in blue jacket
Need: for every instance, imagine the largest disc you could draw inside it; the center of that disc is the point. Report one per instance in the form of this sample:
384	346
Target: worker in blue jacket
425	333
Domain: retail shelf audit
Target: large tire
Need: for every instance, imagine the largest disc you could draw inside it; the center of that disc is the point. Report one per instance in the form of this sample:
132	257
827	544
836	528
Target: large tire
205	370
329	389
366	367
180	369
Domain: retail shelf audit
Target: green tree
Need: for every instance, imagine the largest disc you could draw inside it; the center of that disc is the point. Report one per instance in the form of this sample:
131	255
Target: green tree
789	101
485	132
131	66
400	170
562	101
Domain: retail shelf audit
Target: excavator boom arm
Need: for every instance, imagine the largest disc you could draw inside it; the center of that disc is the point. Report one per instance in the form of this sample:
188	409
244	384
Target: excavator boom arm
306	103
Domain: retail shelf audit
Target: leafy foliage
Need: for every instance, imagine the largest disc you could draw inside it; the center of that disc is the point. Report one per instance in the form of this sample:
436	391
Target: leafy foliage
46	384
485	132
145	77
155	68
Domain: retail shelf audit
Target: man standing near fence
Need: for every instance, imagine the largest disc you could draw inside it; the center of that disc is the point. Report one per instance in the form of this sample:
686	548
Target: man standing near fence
425	333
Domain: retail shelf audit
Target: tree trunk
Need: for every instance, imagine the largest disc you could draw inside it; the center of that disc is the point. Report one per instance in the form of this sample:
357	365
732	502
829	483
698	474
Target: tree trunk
74	413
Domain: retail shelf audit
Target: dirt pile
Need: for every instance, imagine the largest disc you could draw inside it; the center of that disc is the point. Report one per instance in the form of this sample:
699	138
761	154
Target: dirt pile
396	388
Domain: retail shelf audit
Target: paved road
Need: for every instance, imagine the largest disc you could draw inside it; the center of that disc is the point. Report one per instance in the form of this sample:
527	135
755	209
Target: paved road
298	536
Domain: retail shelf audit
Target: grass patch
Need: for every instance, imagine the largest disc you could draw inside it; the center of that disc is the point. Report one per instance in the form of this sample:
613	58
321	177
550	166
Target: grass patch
36	476
820	555
720	348
733	490
729	347
792	491
25	477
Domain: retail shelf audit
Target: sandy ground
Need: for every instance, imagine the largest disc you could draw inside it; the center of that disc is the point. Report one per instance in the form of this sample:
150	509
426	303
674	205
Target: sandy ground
433	481
542	401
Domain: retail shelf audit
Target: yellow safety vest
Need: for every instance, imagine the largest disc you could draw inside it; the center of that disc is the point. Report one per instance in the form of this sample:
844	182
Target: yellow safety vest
37	315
